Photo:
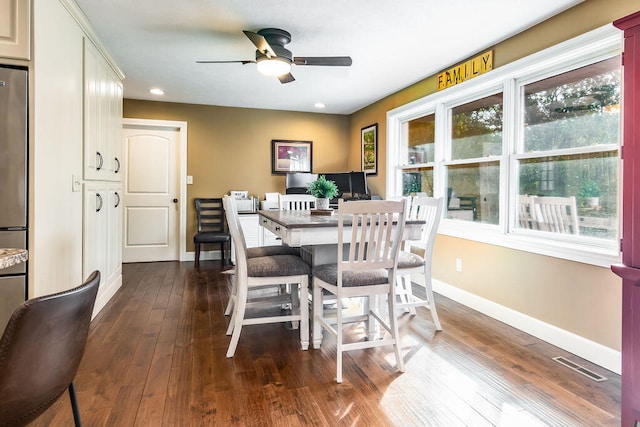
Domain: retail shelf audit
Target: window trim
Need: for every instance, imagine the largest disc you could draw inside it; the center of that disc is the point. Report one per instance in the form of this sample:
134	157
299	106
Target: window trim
602	43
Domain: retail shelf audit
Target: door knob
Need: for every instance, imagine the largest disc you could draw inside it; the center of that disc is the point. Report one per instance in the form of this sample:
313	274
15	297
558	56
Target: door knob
175	200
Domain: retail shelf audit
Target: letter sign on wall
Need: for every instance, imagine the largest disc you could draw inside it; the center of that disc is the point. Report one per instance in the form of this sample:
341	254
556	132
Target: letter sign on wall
465	71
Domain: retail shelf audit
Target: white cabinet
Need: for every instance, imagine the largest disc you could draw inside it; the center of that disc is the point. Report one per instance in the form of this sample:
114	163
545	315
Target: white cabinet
250	229
102	118
254	234
14	29
102	237
94	230
102	146
114	233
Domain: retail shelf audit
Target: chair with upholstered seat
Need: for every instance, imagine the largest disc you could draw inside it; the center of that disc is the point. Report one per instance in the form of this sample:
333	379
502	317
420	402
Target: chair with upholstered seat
266	274
369	237
40	352
296	202
211	228
254	252
415	258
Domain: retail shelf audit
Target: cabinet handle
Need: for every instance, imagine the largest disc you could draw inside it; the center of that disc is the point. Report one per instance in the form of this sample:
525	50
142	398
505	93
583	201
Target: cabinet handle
264	221
277	228
99	197
117	199
100	160
117	165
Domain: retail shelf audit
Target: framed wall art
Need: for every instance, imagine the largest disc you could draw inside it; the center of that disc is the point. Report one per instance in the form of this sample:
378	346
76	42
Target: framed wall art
369	136
290	156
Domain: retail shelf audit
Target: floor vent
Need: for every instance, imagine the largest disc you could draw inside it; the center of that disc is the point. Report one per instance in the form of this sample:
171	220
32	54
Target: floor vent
584	371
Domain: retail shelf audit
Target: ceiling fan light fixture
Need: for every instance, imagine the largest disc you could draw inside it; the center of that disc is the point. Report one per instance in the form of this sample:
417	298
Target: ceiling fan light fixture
274	67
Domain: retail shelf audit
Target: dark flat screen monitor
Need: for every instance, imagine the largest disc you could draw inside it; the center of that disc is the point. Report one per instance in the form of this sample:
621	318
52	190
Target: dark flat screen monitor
358	183
296	183
342	181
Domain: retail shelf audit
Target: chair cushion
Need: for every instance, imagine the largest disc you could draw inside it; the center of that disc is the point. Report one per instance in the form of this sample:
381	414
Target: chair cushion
409	260
211	237
329	273
270	250
277	265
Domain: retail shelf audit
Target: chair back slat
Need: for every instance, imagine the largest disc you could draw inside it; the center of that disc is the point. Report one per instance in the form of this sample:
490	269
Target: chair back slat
296	202
428	209
210	215
376	232
555	214
240	245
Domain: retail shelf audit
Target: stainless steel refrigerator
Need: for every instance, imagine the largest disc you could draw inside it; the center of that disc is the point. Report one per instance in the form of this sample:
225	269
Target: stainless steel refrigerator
13	185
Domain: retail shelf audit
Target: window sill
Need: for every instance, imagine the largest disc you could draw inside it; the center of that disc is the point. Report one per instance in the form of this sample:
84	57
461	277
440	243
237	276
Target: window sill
600	253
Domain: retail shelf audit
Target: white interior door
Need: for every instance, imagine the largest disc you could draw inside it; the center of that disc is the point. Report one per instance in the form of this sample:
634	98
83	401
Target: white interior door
152	192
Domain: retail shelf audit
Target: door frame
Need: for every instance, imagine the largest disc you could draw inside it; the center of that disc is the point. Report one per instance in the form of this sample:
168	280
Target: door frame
181	127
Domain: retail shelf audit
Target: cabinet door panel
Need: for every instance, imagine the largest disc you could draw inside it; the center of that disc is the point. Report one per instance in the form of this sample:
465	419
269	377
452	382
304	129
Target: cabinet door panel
114	232
14	29
94	230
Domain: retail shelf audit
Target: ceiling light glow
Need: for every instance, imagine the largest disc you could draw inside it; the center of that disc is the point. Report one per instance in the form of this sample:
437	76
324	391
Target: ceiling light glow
273	67
319	105
156	91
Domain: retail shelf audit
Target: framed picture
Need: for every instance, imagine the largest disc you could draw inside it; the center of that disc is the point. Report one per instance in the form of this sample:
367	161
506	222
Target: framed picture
290	156
369	137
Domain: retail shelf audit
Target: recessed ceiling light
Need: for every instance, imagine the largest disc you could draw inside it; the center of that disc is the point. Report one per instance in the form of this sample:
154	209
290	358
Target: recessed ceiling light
319	105
156	91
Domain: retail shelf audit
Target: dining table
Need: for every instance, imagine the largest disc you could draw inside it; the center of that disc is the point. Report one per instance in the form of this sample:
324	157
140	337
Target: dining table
317	235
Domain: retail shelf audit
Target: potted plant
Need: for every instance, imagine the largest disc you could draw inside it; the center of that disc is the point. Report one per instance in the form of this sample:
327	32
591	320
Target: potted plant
323	190
590	193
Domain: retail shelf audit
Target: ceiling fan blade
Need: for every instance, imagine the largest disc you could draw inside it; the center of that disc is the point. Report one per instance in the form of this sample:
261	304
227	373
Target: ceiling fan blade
286	78
243	62
330	61
261	43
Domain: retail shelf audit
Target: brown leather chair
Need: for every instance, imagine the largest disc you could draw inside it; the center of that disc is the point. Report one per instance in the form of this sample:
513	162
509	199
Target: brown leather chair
40	352
211	228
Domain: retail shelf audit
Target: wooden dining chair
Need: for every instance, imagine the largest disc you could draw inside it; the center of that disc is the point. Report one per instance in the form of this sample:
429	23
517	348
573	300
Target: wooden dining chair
254	252
369	237
296	202
266	274
211	228
415	258
556	214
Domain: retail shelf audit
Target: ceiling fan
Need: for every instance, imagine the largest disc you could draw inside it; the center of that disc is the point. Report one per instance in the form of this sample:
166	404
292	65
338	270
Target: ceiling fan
273	59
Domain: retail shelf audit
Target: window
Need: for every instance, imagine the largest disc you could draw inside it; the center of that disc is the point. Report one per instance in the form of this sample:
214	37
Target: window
506	149
417	165
570	135
472	173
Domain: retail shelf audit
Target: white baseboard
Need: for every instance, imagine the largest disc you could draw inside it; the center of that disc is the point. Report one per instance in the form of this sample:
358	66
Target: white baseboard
104	295
204	256
599	354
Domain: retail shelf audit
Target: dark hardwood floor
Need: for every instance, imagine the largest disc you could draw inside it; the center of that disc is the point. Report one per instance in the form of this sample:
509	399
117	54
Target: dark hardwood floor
156	357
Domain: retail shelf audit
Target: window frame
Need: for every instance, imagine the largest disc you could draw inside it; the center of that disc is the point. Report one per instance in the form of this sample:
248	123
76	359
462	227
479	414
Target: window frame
589	48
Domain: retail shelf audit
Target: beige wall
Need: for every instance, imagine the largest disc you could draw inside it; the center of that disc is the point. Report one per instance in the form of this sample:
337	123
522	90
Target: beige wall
230	148
579	298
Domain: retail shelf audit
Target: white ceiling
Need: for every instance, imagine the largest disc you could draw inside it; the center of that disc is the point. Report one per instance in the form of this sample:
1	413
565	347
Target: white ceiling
393	44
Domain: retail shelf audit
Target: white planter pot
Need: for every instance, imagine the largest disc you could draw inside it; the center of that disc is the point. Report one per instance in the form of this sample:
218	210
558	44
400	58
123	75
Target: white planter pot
322	204
593	201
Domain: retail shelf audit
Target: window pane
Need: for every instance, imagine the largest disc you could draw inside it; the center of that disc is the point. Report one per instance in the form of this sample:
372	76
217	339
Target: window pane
422	134
579	108
418	180
476	128
591	178
472	192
